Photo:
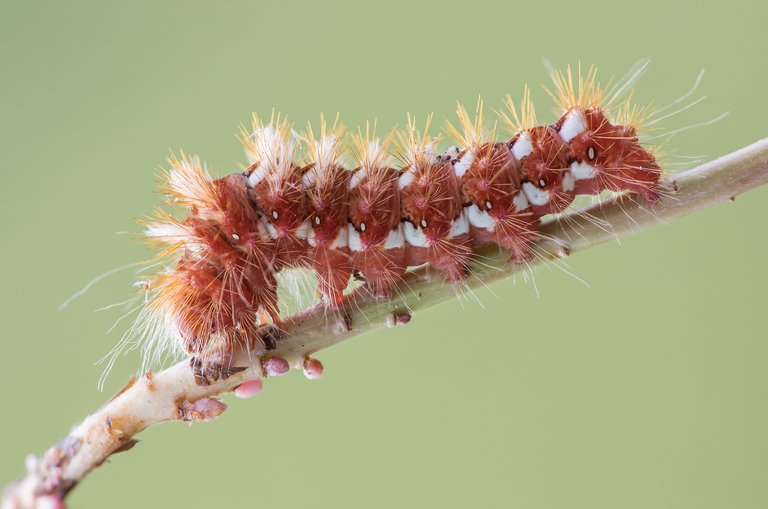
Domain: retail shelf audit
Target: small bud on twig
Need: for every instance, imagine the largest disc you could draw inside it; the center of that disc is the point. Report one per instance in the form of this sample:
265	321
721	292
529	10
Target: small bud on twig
276	366
248	389
313	368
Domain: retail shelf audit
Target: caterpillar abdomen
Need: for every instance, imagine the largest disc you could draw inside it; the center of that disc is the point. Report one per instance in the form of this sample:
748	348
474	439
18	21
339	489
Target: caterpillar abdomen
435	225
376	220
376	239
497	210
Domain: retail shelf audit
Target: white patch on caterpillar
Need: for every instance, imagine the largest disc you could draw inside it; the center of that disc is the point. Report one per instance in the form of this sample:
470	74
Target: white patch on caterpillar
573	125
356	178
308	179
415	236
273	234
341	239
304	230
569	181
405	179
522	146
430	152
459	226
480	218
395	238
520	201
256	176
327	152
372	156
263	232
452	152
582	171
463	164
535	195
311	238
272	149
355	243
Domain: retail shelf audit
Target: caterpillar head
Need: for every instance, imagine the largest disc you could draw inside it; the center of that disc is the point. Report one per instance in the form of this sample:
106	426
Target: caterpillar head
220	215
606	156
639	172
204	306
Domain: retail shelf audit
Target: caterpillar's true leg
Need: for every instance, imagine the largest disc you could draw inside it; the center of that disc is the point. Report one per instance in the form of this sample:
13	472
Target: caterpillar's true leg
208	372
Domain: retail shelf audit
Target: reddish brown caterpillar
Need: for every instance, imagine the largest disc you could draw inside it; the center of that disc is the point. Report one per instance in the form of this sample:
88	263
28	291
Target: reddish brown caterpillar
296	205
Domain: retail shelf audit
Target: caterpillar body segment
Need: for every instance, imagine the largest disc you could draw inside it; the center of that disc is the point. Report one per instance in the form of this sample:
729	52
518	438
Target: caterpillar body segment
544	159
326	186
276	188
376	239
496	207
298	205
435	224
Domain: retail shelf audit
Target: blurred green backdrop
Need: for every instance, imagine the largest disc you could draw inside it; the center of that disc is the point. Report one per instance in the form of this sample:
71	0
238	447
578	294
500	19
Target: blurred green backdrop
647	389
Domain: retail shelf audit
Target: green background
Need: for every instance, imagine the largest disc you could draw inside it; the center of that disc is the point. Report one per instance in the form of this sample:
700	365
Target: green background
647	389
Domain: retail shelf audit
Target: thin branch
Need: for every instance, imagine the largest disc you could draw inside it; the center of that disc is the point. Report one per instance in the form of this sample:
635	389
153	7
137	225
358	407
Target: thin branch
174	395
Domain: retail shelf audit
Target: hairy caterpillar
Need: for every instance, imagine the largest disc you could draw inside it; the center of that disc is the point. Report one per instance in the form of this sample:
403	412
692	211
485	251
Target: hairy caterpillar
298	205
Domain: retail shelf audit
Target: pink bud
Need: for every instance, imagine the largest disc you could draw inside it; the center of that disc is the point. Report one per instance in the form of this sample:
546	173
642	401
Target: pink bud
313	368
276	366
248	389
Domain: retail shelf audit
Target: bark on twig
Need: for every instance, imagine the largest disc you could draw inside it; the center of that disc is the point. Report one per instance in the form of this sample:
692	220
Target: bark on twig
173	394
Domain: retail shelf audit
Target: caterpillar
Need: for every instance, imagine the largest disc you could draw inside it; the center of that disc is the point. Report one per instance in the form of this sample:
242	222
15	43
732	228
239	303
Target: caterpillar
298	204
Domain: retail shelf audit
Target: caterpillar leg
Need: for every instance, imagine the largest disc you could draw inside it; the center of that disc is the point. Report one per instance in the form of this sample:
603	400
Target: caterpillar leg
512	231
334	270
520	249
382	269
451	260
206	372
456	273
269	336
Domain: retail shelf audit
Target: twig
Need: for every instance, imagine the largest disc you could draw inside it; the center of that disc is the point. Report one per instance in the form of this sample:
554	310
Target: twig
174	395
